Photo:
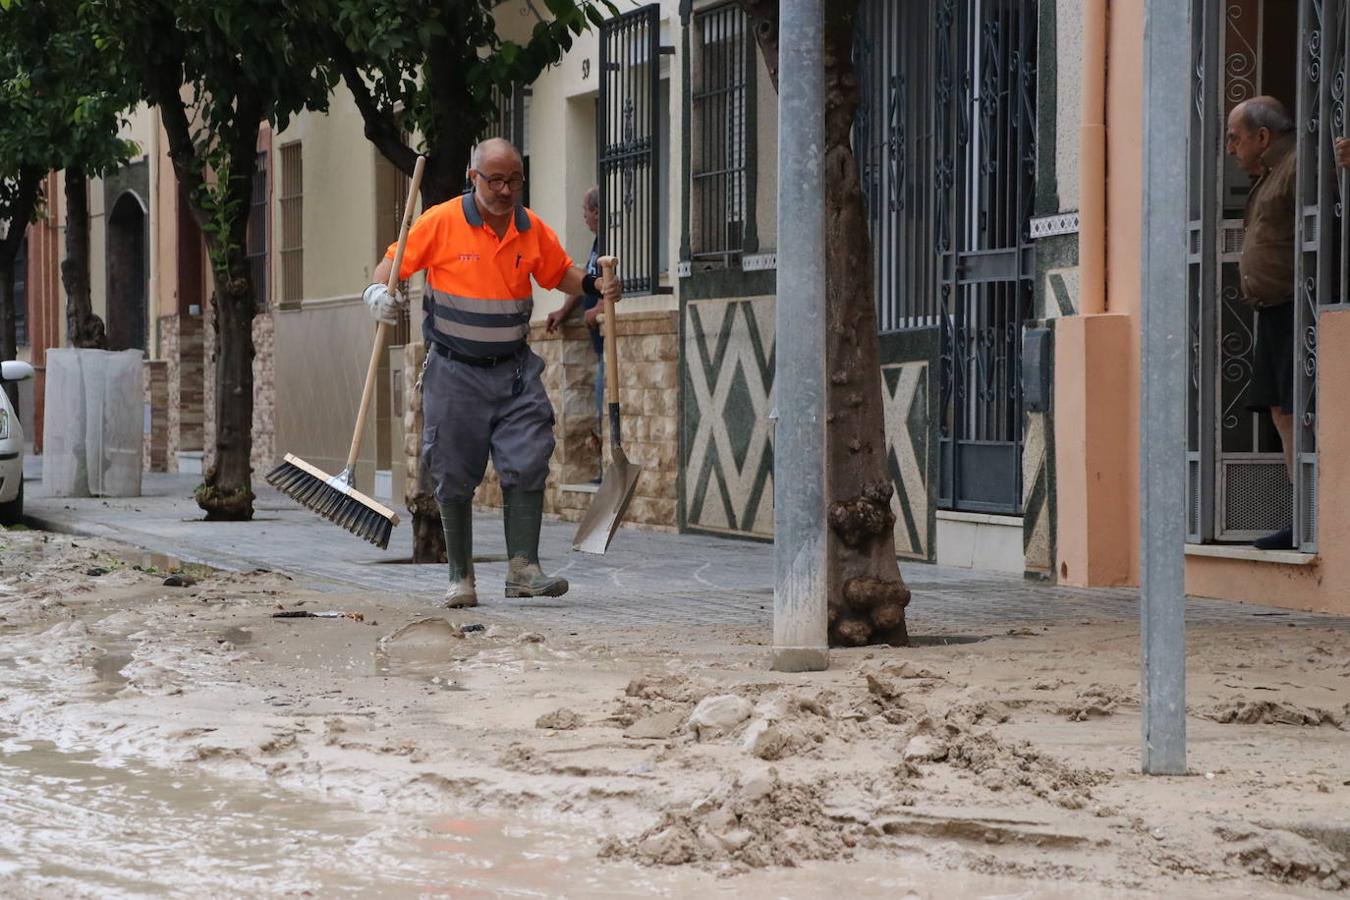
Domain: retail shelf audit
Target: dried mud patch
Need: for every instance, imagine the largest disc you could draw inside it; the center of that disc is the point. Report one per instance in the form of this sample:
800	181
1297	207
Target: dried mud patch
1284	856
754	820
1276	712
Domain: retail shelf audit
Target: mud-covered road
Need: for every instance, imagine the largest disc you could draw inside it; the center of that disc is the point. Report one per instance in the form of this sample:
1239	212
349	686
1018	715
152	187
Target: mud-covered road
179	740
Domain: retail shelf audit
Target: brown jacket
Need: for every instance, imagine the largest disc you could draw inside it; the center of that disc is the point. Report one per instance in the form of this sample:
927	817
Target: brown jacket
1267	262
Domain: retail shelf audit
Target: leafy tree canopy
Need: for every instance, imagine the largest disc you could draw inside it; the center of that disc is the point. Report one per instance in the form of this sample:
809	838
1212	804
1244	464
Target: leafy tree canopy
430	67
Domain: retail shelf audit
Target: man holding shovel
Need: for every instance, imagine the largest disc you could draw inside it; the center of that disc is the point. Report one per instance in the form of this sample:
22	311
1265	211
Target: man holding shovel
481	386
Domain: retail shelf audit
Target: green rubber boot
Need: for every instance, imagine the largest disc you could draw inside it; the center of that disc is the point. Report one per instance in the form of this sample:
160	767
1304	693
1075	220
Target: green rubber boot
522	513
457	520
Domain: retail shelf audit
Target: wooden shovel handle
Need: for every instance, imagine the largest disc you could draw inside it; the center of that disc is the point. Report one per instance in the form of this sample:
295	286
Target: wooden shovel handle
607	265
382	329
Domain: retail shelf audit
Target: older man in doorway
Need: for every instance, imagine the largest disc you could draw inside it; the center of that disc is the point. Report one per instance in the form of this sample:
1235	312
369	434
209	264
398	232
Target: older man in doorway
590	304
1261	141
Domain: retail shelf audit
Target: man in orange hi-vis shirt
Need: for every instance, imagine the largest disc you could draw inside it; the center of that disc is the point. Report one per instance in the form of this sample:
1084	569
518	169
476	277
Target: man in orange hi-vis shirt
481	387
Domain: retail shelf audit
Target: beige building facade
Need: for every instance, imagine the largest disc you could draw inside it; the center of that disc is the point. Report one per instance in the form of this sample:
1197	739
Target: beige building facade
998	151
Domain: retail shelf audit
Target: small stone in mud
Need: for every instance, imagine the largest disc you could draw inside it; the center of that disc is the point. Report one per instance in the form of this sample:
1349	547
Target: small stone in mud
465	629
672	846
531	637
764	741
95	571
758	784
179	580
925	748
657	727
420	635
560	720
908	669
716	715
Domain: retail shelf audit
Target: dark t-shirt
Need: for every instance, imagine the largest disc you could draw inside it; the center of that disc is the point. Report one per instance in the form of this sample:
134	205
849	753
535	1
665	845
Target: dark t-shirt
588	301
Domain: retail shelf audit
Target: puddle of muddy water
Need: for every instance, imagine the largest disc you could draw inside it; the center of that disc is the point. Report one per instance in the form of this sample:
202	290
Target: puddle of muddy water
237	636
109	667
78	828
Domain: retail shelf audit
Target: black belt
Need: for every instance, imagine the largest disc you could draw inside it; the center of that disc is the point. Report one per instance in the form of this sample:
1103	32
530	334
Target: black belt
482	362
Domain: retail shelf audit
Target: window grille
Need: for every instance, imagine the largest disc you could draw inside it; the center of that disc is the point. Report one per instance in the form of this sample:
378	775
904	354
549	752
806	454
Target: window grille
896	50
391	193
292	224
21	294
630	139
512	121
723	141
258	234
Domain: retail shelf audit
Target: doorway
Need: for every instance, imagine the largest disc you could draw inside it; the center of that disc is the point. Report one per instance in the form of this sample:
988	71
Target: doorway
128	326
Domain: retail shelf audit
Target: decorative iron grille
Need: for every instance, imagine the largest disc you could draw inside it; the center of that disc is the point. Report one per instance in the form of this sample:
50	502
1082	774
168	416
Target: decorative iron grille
292	250
629	138
893	140
258	233
985	170
1241	49
723	144
946	140
391	193
21	294
512	121
1322	263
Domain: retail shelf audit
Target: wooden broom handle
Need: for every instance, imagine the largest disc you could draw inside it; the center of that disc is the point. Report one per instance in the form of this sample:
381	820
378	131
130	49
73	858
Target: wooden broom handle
382	329
607	264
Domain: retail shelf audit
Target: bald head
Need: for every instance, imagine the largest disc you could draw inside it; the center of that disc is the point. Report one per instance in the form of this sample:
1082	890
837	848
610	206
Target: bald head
1264	112
495	149
1253	126
498	174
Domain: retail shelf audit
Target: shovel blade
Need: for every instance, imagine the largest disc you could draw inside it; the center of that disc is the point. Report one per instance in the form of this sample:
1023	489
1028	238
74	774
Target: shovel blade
605	514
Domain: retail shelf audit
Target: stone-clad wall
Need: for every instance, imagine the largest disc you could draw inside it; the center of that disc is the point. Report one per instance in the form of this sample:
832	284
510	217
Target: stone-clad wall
181	348
155	384
649	400
264	396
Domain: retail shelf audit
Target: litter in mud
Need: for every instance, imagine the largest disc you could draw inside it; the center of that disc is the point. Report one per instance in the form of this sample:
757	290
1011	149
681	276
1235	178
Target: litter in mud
307	614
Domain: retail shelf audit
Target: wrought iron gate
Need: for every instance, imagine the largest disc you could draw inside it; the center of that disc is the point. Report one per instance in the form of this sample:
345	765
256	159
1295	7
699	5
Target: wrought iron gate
629	139
946	140
1322	265
1238	485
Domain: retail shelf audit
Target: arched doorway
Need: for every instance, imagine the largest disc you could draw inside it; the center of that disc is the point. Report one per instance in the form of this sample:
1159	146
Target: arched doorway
127	274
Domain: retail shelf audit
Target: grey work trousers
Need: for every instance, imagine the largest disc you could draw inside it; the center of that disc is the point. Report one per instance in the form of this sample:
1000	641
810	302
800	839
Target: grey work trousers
469	411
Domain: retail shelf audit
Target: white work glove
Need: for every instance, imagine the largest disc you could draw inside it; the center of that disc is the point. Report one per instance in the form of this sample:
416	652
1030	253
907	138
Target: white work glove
384	305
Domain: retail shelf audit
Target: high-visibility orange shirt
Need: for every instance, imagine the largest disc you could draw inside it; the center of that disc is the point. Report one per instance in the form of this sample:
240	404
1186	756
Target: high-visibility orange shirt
478	298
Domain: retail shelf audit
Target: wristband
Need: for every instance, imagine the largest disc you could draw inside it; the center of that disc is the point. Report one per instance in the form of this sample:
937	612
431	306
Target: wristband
588	285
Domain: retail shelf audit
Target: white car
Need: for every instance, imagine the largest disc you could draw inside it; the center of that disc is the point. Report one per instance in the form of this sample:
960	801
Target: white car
11	446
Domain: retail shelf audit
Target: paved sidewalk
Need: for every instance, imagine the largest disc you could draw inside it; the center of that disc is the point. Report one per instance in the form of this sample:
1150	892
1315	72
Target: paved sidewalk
647	578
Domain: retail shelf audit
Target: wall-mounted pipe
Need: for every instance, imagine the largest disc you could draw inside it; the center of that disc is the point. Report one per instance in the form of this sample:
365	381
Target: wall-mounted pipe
1092	162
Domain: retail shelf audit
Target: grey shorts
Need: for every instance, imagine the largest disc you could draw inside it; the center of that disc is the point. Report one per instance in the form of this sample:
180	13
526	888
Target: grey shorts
469	412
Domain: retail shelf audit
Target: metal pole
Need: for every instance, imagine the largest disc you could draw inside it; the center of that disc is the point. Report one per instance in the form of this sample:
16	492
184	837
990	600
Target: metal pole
799	601
1162	401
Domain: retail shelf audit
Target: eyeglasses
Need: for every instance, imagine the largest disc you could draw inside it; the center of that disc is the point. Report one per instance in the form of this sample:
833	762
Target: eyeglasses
497	182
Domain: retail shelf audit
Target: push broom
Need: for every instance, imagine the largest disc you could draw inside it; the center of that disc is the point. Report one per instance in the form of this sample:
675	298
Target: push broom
333	496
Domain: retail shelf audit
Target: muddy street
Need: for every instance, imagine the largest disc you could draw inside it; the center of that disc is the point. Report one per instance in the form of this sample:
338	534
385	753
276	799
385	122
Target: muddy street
180	739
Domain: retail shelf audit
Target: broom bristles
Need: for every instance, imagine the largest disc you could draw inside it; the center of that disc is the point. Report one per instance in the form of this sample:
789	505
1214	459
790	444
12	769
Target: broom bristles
332	498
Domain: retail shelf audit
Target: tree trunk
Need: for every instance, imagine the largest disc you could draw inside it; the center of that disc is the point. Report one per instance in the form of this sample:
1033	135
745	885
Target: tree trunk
83	328
442	180
867	593
227	491
8	326
20	214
